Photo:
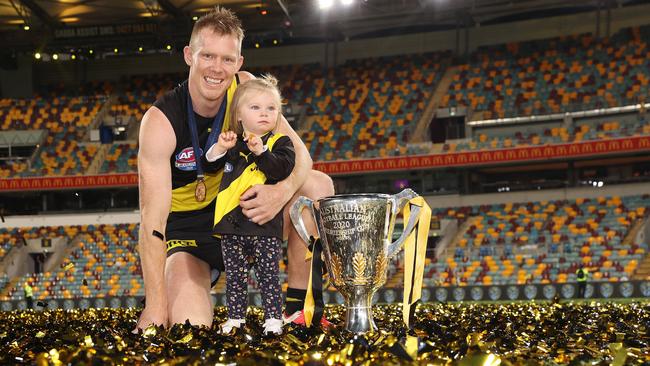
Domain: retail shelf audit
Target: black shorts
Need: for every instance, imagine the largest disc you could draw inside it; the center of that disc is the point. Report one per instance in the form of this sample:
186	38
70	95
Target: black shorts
204	247
191	232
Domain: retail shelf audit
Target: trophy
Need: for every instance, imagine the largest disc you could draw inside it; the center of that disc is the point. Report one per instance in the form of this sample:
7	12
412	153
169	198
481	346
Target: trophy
356	231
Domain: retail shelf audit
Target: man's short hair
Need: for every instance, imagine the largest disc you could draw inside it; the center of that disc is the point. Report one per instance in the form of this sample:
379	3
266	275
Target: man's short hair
221	21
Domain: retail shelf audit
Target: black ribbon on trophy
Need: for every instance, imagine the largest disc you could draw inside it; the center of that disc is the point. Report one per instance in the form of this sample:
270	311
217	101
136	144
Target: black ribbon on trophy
314	304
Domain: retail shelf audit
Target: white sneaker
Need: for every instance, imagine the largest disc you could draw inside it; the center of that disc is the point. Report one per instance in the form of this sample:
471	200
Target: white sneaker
227	326
273	326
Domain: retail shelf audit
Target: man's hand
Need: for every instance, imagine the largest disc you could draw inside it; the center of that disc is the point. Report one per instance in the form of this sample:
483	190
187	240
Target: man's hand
150	316
262	202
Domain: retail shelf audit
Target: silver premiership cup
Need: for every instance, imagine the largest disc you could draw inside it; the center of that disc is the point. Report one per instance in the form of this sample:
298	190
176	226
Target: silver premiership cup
356	232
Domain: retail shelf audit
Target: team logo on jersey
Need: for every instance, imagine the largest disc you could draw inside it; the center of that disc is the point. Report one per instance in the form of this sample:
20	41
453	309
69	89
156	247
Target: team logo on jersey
227	168
185	159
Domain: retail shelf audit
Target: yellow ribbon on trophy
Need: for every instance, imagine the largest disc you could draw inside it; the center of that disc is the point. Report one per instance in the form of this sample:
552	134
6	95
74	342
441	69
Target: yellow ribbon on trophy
310	305
415	251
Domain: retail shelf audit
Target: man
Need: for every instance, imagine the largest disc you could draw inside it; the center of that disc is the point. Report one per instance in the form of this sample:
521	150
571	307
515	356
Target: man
177	198
581	276
29	295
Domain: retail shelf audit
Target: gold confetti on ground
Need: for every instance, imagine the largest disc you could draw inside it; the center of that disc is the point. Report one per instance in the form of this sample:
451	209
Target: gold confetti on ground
447	334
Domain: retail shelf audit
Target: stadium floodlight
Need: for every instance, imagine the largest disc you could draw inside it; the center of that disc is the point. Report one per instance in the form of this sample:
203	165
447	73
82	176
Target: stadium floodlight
347	2
55	56
37	55
325	4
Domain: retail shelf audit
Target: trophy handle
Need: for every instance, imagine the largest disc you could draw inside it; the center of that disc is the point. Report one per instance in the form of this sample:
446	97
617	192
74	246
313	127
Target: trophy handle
399	201
296	216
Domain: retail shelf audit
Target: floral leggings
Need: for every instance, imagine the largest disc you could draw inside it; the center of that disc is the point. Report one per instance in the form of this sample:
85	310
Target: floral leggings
266	252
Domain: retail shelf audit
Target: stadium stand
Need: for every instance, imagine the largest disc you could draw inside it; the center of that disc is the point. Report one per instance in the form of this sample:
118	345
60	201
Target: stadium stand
542	242
365	108
554	75
516	243
139	92
121	158
553	135
103	262
16	236
65	119
344	120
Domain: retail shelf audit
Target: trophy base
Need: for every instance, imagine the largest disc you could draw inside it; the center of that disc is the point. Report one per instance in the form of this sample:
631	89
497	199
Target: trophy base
359	320
358	305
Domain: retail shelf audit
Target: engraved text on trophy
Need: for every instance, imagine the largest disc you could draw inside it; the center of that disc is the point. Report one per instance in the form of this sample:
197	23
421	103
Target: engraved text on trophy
353	232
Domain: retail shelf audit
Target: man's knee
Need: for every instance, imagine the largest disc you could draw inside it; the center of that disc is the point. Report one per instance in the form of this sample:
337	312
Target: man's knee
317	185
188	289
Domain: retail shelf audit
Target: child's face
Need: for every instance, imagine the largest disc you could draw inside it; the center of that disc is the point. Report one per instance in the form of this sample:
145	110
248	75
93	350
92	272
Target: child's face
259	112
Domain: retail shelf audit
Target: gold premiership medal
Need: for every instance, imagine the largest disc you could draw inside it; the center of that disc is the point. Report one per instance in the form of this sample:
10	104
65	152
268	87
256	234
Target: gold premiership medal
199	192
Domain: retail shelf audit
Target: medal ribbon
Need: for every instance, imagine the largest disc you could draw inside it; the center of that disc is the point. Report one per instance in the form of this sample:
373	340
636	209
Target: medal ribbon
217	124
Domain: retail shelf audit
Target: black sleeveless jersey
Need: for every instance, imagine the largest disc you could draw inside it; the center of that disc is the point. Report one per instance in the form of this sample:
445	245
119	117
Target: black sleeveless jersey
188	216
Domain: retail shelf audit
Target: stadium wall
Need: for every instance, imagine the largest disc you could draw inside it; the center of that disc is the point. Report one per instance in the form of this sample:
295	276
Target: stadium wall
71	219
112	68
440	201
17	82
533	196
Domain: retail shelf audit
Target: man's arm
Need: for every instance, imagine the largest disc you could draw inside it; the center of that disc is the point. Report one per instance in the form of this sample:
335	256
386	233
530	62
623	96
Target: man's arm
157	143
262	202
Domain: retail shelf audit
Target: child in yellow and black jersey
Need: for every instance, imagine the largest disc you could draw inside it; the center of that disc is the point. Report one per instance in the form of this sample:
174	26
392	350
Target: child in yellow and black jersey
251	154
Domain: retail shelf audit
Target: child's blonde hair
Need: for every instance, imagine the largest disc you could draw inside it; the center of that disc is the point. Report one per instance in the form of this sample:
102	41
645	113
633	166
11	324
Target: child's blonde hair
267	83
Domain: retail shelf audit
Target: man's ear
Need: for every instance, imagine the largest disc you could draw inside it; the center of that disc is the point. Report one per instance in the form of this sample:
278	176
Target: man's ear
187	55
240	62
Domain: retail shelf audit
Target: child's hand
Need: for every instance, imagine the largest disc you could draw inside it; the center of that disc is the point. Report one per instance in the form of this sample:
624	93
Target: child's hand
226	141
255	144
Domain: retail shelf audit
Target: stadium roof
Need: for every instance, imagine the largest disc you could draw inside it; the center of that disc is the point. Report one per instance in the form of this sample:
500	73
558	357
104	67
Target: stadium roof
77	23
